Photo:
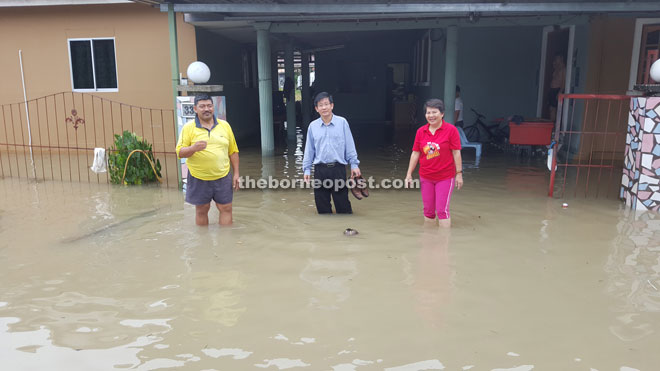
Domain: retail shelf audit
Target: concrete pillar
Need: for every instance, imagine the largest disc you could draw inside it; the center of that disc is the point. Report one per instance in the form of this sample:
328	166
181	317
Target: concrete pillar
437	63
451	62
306	99
291	98
174	67
640	184
265	89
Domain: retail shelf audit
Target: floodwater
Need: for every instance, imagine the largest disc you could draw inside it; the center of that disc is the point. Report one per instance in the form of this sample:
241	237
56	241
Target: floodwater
100	277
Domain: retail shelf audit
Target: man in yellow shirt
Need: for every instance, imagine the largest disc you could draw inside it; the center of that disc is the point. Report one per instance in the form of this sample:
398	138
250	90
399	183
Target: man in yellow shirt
209	145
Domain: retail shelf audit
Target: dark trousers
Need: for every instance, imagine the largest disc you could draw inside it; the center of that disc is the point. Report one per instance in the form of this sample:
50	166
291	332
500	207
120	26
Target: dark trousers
322	194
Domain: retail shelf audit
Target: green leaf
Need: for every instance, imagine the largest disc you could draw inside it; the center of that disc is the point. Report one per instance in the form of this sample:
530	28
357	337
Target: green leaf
139	170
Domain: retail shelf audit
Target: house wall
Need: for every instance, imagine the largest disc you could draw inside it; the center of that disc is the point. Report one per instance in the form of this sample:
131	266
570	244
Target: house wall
610	43
362	63
144	81
610	47
497	71
141	43
225	60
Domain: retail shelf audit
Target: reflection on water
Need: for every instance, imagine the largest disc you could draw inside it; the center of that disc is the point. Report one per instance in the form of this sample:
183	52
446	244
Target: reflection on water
431	282
634	276
330	280
103	277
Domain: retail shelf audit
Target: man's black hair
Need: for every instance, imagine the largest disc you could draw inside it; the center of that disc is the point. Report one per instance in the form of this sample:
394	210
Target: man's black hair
320	96
202	97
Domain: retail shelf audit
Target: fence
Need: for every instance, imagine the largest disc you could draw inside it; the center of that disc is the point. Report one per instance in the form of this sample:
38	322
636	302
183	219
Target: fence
53	137
590	144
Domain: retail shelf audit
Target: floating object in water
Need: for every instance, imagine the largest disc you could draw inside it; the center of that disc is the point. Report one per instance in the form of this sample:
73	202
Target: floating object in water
564	205
350	232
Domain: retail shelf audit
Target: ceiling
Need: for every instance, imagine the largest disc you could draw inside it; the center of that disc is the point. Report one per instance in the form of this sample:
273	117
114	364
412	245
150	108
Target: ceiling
316	23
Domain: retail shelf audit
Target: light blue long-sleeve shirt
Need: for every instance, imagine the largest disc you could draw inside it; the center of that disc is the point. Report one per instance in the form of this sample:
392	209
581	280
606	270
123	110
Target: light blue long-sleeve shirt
329	143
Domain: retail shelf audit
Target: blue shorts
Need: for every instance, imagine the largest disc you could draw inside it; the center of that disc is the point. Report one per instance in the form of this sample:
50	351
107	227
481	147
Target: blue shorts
201	192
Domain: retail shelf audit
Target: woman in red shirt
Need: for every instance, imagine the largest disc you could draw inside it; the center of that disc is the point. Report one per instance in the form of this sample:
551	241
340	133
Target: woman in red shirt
437	148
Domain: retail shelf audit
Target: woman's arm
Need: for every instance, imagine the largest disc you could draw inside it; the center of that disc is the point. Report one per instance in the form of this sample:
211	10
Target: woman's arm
414	158
458	162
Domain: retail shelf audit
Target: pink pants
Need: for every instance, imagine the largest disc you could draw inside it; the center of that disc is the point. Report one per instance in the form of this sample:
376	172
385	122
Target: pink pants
436	196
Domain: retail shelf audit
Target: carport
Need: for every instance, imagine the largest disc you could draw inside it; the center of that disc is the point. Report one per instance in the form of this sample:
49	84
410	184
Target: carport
502	65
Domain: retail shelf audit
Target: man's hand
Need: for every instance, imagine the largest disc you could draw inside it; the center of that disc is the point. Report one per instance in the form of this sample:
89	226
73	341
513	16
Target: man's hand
306	178
236	181
199	146
355	172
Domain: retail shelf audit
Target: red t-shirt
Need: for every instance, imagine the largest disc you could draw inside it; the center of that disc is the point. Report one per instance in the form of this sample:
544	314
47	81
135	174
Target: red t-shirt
436	161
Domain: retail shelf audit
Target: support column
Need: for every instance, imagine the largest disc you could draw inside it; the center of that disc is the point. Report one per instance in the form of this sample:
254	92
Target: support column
265	89
174	66
451	63
438	63
306	99
291	98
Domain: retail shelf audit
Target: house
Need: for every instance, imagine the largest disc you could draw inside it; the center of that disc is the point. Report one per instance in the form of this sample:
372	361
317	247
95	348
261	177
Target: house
104	60
500	53
380	59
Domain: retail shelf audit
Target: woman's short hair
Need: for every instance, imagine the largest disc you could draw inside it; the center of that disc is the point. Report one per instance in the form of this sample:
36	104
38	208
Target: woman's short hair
435	103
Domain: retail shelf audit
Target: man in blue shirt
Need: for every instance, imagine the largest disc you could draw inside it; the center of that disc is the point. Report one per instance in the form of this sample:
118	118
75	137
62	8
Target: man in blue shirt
329	148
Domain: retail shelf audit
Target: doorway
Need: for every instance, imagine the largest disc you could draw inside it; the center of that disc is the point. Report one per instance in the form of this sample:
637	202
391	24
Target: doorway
556	68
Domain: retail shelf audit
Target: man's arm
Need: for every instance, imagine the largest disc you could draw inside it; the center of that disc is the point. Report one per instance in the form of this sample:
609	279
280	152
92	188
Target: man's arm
457	109
233	158
350	152
185	152
184	147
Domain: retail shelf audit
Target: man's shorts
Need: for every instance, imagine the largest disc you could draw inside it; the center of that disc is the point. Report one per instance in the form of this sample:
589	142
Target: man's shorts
201	192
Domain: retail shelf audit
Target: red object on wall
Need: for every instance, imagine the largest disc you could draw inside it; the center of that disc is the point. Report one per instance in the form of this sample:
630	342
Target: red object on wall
531	133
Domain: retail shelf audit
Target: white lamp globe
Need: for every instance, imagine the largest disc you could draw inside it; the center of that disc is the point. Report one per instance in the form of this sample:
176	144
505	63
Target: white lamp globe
198	72
655	71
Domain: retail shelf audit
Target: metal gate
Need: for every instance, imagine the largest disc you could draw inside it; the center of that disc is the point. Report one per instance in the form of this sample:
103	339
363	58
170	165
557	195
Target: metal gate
589	144
53	137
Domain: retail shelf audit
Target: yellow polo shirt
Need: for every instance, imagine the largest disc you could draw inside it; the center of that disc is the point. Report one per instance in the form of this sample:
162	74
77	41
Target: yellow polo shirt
213	162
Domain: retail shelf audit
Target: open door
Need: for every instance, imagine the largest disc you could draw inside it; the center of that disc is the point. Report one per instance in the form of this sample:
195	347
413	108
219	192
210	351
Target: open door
554	76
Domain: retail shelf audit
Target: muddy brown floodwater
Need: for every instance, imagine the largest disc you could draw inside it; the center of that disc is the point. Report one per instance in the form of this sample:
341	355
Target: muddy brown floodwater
100	277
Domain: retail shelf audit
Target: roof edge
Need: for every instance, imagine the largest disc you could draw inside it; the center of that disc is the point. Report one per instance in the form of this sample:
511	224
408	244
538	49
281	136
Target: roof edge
26	3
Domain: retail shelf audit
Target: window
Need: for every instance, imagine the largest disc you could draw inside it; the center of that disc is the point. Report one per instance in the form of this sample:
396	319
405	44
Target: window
93	64
422	60
649	50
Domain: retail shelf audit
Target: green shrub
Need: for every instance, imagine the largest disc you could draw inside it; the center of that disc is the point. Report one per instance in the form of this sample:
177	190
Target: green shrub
139	169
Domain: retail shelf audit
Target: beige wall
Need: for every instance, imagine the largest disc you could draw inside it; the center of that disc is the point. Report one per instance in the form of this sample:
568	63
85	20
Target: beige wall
141	42
610	48
63	151
608	71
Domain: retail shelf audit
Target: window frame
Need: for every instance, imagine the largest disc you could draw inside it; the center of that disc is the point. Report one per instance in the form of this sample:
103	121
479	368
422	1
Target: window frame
642	73
637	44
422	60
95	89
